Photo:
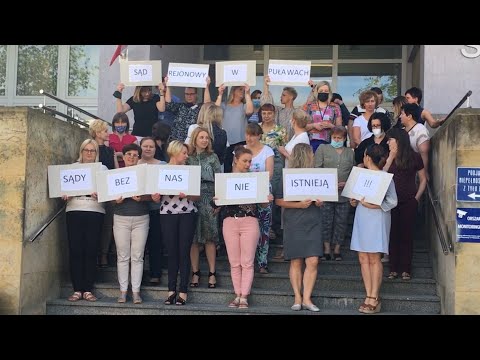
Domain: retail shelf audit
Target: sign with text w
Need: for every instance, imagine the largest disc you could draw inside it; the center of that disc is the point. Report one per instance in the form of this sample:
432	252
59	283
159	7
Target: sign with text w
236	73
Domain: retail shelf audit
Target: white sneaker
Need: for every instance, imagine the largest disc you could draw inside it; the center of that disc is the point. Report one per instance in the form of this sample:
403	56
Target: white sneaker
296	307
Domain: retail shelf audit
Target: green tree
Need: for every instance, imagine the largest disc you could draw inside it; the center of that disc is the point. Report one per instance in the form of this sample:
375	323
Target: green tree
3	68
388	84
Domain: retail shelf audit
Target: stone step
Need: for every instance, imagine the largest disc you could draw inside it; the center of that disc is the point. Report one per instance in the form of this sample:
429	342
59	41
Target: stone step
338	300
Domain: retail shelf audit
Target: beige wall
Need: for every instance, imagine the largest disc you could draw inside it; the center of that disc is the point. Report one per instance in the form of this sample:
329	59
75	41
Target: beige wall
30	273
457	143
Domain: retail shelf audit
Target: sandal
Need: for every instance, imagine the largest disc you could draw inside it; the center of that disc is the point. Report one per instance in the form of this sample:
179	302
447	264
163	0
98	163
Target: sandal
234	303
181	301
137	299
212	285
406	276
195	273
392	275
263	270
371	309
122	298
337	257
243	304
326	257
77	295
170	299
87	295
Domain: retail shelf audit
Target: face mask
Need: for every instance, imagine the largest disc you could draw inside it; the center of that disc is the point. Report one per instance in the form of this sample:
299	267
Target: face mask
120	129
256	103
337	144
377	132
322	97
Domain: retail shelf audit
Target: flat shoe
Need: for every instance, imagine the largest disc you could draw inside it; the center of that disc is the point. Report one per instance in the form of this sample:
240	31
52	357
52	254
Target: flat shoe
296	307
311	307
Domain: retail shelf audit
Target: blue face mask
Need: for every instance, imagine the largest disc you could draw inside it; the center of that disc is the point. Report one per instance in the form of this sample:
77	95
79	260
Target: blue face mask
336	144
256	103
120	129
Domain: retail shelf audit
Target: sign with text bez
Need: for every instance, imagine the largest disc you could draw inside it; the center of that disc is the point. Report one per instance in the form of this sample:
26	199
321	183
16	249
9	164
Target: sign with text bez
236	73
173	179
73	179
242	188
367	183
126	182
187	75
141	73
310	184
289	72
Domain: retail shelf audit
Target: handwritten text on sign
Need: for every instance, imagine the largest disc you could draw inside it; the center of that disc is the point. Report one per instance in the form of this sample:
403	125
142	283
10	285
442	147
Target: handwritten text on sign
310	184
173	179
236	72
367	185
122	183
241	188
75	179
140	73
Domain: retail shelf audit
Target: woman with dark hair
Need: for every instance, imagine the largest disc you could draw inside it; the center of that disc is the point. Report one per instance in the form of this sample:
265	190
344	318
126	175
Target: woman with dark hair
161	133
405	165
257	115
378	124
371	232
120	136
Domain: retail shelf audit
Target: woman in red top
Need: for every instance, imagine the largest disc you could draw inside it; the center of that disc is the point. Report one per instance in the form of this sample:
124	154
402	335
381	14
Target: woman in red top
120	136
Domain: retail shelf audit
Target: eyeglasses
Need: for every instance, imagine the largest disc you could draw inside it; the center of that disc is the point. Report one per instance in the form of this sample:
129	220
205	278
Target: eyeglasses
89	151
131	155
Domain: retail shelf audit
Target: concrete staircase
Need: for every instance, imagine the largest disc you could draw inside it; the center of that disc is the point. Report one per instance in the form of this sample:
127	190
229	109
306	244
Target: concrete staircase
338	291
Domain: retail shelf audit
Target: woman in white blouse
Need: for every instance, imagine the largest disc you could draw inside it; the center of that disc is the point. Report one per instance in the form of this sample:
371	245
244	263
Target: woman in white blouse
300	119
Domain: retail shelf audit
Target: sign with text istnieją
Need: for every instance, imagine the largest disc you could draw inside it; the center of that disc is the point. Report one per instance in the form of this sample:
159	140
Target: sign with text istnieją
468	225
468	184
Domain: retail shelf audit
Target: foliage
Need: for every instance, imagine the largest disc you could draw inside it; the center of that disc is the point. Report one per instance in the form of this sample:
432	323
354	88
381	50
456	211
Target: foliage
388	84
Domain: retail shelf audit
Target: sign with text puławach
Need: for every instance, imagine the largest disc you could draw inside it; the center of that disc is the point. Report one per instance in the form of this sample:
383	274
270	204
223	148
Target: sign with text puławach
369	184
289	72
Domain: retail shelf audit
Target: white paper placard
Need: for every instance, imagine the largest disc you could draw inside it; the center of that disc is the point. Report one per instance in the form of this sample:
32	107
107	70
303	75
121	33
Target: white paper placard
126	182
72	179
141	73
173	179
289	72
367	183
310	184
187	75
236	73
242	188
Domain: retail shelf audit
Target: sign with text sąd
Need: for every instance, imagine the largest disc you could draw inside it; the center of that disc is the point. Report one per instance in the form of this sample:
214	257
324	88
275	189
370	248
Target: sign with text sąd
141	73
289	72
125	182
173	179
310	184
236	73
242	188
369	184
73	179
187	75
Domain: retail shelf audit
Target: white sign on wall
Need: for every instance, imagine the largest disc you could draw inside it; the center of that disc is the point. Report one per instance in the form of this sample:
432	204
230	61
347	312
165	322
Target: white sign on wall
310	184
73	179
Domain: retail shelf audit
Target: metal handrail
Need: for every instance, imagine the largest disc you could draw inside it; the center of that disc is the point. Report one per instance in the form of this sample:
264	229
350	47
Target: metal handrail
51	96
37	234
68	117
460	103
443	241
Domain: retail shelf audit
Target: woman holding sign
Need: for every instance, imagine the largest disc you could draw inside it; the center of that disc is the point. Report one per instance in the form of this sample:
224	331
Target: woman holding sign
302	241
84	229
371	232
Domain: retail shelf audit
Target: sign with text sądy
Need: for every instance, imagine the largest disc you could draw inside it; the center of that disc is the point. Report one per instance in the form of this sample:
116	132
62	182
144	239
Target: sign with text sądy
173	179
236	73
72	179
310	184
468	225
289	72
468	184
141	73
124	182
242	188
187	75
369	184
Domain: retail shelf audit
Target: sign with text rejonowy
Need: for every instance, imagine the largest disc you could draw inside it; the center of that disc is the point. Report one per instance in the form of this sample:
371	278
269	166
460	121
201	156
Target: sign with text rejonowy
311	184
242	188
72	179
141	73
126	182
367	183
236	73
289	72
173	179
187	75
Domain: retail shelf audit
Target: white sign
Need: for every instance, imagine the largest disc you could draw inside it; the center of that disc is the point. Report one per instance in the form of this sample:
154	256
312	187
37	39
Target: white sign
73	179
173	179
289	72
242	188
469	54
310	184
141	73
125	182
236	73
187	75
369	184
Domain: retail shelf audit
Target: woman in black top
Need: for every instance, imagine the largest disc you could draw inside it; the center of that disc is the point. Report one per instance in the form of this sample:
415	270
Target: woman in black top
378	124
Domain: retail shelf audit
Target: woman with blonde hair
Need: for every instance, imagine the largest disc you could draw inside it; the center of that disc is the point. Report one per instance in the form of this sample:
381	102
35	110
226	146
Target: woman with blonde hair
398	103
299	121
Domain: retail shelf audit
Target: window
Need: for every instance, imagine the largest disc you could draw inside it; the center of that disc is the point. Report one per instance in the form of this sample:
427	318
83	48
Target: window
83	70
370	51
37	69
3	69
301	52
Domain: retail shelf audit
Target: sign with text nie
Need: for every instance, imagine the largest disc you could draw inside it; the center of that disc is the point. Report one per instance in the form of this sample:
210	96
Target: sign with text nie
468	224
468	183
